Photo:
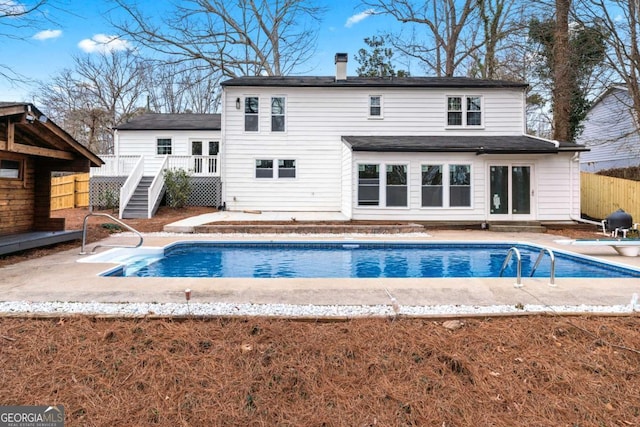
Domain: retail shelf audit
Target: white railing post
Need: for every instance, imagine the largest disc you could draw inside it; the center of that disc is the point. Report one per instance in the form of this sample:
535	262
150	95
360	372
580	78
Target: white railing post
130	185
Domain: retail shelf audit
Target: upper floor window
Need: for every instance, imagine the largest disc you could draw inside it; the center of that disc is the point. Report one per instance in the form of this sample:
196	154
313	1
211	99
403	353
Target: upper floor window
163	146
10	169
464	111
251	114
277	114
375	106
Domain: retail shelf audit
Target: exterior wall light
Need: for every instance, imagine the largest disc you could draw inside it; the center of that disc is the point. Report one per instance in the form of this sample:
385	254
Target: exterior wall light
237	103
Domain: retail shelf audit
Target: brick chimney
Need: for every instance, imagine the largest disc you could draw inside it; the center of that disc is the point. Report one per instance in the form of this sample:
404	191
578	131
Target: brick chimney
341	66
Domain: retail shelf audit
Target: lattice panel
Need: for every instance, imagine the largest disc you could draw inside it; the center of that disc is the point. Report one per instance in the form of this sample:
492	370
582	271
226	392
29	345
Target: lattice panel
205	191
104	191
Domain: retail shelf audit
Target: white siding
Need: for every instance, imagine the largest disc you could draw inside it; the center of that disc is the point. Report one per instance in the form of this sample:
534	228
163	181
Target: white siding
610	134
316	118
551	184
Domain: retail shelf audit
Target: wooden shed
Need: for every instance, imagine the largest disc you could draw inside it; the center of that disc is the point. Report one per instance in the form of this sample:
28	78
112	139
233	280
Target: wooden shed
31	148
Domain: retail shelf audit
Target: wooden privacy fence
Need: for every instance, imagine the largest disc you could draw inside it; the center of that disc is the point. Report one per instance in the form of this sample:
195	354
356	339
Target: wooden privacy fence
601	195
71	191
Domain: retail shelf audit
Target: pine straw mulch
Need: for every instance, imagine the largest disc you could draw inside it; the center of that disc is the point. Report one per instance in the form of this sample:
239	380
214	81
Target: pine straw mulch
525	371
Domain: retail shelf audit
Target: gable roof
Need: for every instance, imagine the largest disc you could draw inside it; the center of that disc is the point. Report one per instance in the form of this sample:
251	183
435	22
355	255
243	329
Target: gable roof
397	82
522	144
183	121
35	134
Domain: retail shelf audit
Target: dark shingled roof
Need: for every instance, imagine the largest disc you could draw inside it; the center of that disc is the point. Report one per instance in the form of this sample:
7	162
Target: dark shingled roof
409	82
156	121
460	144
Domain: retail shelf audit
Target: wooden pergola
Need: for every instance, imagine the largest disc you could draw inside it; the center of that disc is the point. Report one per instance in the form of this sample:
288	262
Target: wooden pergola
31	148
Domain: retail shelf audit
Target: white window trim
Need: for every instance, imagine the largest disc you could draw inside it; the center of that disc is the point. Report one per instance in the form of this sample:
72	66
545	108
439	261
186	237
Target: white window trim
464	111
381	116
382	195
286	109
244	114
446	205
172	146
275	175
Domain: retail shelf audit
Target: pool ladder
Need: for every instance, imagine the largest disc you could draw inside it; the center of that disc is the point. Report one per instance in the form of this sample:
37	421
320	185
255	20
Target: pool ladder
515	250
117	221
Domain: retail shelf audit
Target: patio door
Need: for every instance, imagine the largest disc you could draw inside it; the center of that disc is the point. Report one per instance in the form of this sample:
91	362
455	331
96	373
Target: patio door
203	153
511	191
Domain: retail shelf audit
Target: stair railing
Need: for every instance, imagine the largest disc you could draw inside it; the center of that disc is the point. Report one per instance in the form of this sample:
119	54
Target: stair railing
130	185
155	189
117	221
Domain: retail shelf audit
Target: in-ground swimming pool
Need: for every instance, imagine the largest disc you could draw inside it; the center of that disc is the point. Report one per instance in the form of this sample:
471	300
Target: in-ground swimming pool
357	260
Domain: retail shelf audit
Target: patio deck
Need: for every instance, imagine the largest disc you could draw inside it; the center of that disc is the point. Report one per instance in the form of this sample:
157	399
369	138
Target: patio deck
35	239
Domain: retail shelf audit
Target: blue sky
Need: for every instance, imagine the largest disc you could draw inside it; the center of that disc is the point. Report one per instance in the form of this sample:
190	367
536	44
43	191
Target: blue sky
79	27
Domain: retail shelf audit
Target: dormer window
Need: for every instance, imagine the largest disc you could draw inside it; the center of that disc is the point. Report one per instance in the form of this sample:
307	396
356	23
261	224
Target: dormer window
375	106
464	111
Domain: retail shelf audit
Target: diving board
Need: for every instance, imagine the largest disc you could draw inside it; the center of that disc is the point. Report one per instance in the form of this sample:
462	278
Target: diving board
625	247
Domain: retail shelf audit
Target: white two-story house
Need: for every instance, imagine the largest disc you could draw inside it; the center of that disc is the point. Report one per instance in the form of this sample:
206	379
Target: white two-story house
415	148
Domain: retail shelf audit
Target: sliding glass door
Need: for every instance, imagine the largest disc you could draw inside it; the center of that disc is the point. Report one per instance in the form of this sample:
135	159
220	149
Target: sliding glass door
511	191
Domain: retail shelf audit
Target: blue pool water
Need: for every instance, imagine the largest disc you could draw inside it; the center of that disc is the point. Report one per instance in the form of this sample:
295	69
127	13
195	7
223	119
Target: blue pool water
358	260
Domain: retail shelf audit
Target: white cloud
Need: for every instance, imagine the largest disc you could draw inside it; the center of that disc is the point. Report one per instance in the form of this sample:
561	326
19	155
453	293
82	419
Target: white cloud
103	43
359	17
48	34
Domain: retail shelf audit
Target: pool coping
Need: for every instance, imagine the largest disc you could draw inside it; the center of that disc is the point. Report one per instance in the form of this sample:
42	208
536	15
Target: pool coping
60	279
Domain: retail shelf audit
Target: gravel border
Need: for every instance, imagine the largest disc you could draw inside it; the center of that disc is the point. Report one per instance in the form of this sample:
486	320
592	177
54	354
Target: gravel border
295	311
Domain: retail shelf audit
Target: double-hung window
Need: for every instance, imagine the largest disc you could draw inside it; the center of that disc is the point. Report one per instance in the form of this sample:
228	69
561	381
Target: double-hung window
368	185
375	107
163	146
397	185
464	111
251	118
432	186
264	168
459	185
441	189
277	114
286	168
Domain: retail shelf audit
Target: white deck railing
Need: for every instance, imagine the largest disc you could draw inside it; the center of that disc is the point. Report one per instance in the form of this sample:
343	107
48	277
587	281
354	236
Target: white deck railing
196	165
124	165
115	165
155	189
130	185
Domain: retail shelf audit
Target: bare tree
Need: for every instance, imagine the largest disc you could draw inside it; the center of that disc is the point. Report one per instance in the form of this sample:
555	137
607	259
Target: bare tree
16	18
98	94
451	27
234	37
621	19
178	88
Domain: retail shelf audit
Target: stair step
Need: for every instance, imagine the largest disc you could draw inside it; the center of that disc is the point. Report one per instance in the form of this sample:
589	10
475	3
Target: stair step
517	228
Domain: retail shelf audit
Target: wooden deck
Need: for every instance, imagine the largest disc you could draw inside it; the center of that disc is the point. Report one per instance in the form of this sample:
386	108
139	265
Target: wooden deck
35	239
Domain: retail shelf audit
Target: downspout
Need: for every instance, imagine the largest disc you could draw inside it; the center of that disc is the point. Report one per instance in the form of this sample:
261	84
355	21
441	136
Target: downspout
574	160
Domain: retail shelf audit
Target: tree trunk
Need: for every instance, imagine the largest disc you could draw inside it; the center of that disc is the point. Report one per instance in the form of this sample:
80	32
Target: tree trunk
562	74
